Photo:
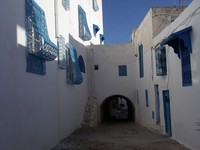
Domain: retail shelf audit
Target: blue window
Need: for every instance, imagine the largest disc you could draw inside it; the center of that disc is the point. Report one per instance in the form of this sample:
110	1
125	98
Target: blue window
66	4
141	67
147	98
186	67
81	63
182	45
74	75
84	32
161	64
39	46
35	64
61	52
95	5
122	70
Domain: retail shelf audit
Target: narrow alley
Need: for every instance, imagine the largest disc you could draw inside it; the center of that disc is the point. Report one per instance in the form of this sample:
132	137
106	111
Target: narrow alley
117	136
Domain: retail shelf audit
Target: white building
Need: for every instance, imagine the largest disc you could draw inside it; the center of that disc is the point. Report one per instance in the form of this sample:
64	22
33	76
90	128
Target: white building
41	103
45	95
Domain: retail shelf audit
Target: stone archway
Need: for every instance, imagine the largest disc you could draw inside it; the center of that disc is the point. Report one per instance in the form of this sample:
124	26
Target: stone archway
117	108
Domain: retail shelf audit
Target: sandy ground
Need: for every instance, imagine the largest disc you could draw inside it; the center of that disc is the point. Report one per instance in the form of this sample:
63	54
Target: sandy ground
117	136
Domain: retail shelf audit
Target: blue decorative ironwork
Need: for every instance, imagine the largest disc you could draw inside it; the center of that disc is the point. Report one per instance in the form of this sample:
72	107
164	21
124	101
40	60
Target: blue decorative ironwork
74	77
181	37
38	41
84	32
95	29
95	5
182	45
66	4
61	52
161	64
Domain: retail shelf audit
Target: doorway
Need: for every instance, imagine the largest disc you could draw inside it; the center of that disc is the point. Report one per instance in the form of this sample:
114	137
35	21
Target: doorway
167	112
117	108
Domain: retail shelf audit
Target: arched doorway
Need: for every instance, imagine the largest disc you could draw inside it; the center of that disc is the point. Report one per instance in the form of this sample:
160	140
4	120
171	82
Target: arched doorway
117	108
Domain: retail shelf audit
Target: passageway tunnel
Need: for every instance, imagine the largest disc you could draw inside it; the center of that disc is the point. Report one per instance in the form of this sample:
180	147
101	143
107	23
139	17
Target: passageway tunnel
117	108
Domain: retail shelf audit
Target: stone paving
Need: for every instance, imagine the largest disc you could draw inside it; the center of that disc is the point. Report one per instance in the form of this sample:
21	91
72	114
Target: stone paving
117	136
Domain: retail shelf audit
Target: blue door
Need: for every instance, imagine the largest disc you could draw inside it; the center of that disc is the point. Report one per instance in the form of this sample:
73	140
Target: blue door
167	114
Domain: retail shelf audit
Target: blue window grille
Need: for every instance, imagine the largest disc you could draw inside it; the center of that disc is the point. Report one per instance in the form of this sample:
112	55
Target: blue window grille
95	5
35	64
61	52
147	98
102	38
84	32
95	29
74	75
81	63
161	64
141	65
38	42
182	45
66	4
122	70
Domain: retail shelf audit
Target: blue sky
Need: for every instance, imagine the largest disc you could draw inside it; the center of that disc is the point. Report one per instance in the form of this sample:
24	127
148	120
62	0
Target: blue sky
122	16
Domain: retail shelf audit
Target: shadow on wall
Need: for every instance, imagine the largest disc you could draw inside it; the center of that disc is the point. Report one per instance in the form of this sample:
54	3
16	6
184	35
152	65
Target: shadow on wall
117	108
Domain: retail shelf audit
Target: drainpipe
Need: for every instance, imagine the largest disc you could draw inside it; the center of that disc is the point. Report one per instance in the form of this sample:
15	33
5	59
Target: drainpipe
56	17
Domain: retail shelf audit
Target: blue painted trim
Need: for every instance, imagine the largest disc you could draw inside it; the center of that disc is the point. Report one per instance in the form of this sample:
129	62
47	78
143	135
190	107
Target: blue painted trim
181	37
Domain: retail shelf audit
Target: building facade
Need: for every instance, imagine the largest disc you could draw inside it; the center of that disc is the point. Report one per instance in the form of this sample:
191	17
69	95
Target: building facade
56	74
44	84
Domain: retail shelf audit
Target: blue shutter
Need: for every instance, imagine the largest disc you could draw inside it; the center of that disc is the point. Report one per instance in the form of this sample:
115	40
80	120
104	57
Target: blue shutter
77	76
61	52
186	67
141	67
84	32
81	64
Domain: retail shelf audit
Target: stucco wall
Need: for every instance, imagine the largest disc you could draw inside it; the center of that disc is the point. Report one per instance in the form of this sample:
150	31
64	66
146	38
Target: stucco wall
106	81
36	112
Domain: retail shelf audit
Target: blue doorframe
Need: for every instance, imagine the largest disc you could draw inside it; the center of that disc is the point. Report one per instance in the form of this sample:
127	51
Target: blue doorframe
167	112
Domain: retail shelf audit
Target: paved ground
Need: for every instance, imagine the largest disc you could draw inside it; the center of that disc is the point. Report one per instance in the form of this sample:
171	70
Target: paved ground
117	136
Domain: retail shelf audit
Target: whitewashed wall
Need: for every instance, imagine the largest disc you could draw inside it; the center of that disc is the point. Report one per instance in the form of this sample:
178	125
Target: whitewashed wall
36	112
106	81
185	112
